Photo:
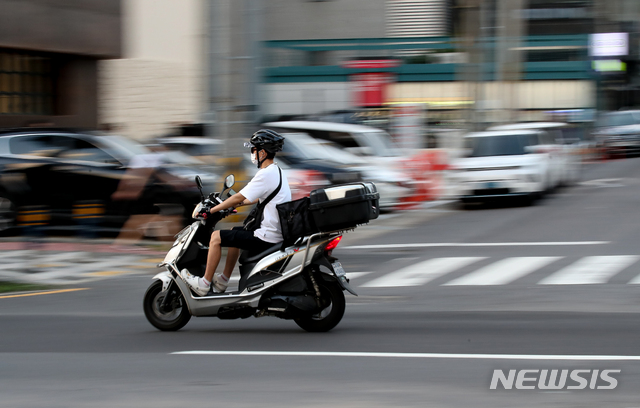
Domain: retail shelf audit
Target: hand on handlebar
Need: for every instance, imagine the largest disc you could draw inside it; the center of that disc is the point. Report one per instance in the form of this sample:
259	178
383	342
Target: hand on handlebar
205	212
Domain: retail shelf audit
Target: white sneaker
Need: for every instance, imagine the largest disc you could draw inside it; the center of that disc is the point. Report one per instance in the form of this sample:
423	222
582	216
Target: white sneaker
220	283
194	283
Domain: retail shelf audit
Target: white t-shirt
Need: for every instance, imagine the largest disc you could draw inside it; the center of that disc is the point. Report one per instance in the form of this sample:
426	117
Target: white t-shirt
261	186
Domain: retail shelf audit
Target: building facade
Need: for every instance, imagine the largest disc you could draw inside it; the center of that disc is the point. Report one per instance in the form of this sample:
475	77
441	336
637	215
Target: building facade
160	81
497	60
49	56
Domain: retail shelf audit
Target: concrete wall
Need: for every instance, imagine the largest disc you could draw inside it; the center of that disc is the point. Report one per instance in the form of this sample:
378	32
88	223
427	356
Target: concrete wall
298	19
86	27
161	79
305	97
310	98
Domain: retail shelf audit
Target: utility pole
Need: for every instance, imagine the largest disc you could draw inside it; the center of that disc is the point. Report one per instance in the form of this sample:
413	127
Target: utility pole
235	32
509	56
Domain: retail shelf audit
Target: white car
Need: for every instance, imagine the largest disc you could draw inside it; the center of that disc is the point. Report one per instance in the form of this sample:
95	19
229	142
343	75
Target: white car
569	140
505	163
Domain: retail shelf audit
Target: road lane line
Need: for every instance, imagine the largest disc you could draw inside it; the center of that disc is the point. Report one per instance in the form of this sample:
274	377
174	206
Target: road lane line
50	292
108	273
422	272
635	281
504	271
409	355
85	268
590	270
356	275
476	244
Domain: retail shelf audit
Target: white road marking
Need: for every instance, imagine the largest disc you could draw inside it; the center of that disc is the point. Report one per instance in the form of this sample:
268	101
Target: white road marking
477	244
421	273
53	275
590	270
409	355
504	271
356	275
635	281
614	182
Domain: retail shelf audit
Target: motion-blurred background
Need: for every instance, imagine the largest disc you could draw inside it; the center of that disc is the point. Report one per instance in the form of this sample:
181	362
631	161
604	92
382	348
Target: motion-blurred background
390	91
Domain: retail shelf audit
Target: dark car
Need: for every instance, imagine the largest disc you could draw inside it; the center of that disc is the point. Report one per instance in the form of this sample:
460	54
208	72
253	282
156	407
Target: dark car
299	156
618	133
70	178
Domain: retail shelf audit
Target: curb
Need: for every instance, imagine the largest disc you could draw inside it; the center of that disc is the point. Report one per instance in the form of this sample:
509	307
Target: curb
420	213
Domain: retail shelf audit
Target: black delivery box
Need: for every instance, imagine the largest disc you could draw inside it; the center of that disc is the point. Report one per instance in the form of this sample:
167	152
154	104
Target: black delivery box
344	206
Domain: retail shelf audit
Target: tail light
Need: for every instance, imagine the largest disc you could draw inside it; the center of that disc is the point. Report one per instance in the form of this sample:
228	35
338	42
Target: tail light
333	244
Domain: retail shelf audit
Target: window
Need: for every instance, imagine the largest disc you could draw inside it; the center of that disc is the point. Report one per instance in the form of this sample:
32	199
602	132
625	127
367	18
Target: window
507	145
40	145
85	151
26	85
62	147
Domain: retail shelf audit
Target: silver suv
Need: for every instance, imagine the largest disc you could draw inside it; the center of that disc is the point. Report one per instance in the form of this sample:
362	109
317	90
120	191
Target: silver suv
618	132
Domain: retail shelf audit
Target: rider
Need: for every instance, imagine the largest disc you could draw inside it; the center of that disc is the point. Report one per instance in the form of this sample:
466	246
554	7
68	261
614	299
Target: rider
264	144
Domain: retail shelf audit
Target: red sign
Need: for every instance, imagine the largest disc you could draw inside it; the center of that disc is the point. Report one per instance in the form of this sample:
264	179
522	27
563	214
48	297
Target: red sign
369	88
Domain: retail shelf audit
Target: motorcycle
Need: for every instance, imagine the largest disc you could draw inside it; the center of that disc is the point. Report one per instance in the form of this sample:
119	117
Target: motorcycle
302	282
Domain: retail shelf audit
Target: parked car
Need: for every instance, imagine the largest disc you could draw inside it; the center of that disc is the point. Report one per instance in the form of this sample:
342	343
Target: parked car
205	149
392	185
570	142
618	133
60	170
356	139
505	163
301	180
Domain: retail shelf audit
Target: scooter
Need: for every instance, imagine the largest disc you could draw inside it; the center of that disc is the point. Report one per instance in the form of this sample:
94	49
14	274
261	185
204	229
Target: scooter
302	282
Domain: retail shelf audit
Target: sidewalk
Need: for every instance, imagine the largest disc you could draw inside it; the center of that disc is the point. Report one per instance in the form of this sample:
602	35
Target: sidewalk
71	260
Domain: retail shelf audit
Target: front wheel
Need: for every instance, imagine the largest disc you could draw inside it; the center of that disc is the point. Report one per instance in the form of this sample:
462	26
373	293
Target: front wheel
173	316
330	315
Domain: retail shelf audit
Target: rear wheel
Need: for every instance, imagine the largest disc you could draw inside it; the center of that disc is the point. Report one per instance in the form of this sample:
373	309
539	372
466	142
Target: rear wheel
173	316
329	317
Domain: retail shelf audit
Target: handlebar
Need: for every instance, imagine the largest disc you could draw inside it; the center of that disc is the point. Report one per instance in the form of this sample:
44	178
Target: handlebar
203	209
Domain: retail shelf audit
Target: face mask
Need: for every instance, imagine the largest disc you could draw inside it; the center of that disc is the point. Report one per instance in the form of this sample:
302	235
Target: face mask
254	159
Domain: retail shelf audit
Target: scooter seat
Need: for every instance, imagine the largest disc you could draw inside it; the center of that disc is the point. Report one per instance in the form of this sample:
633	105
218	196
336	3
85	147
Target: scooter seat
245	259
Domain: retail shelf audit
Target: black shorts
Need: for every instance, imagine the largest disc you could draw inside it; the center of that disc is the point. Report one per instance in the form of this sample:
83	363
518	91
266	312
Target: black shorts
238	237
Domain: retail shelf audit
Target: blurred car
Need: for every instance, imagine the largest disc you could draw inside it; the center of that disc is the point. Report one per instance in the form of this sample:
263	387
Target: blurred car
297	155
356	139
392	185
205	149
61	170
618	132
570	141
505	163
301	181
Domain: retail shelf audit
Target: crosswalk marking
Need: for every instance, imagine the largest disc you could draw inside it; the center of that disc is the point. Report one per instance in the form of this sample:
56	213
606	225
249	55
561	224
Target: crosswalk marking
635	281
504	271
422	272
356	275
590	270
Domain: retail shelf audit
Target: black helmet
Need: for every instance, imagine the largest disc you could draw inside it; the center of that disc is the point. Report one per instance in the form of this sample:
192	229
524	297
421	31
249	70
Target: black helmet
266	139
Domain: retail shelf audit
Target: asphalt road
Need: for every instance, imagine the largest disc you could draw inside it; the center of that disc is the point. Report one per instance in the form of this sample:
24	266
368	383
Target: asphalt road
447	296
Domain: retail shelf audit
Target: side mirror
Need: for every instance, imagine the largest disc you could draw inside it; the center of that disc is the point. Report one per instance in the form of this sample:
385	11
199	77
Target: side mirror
229	181
199	184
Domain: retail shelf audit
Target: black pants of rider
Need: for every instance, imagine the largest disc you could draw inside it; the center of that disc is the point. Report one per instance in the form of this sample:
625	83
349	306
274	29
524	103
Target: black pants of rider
238	237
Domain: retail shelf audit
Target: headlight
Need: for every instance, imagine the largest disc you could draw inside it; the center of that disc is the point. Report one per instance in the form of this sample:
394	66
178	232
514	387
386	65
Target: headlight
196	210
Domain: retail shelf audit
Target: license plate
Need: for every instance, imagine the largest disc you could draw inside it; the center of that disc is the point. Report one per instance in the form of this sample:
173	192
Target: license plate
337	267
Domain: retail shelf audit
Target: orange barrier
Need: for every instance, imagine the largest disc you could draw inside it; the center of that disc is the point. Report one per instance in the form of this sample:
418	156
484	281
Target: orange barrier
424	168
